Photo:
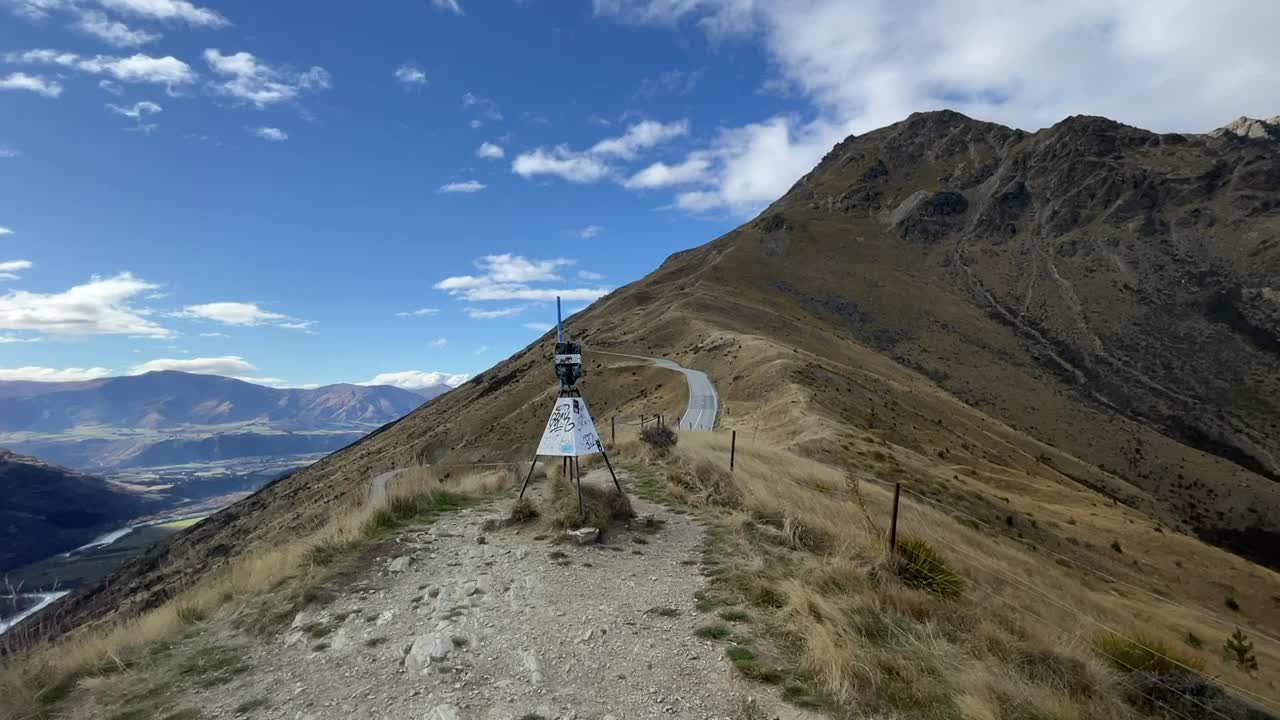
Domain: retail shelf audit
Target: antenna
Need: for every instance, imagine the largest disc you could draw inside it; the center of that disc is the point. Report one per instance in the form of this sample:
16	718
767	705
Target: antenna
559	322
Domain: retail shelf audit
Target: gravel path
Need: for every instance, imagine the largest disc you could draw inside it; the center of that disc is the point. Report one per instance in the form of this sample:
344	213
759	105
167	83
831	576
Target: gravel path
504	628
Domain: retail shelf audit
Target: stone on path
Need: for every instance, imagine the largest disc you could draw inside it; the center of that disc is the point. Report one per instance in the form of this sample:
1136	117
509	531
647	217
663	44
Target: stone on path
444	711
428	649
400	564
585	536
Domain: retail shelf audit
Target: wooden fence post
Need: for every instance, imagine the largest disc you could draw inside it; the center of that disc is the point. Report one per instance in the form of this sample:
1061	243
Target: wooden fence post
893	523
733	449
613	429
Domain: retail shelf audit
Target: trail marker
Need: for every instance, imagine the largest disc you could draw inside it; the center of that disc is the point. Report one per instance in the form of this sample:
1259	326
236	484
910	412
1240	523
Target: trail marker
570	432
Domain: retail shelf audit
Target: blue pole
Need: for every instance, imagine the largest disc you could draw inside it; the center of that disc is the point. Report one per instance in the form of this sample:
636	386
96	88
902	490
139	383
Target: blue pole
559	322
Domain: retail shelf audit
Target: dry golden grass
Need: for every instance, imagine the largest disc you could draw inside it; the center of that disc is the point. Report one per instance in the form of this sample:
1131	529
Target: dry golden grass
39	677
805	544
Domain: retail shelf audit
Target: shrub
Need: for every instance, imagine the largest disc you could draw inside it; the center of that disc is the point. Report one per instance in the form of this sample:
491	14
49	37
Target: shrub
1143	653
600	506
1231	604
660	438
1115	545
1239	650
523	511
919	565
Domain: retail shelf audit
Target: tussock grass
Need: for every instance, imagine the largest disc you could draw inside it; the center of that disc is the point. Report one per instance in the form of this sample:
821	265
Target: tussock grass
1139	652
960	623
34	683
601	506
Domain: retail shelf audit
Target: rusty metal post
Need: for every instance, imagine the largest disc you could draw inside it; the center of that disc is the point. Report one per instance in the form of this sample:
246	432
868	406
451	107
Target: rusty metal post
893	523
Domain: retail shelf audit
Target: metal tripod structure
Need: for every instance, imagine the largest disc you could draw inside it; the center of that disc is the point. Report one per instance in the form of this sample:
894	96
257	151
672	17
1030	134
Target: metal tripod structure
568	361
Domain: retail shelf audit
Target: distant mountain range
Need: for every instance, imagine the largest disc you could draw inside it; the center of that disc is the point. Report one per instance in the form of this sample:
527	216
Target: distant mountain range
49	509
174	417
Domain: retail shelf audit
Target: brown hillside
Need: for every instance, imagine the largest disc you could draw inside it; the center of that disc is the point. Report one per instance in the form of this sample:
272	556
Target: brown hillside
1008	321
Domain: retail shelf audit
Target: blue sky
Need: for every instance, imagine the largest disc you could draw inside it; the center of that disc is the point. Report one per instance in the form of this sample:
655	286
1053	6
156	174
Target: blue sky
395	191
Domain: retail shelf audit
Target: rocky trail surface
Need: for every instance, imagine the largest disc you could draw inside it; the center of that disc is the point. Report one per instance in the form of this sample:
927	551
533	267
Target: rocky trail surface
460	623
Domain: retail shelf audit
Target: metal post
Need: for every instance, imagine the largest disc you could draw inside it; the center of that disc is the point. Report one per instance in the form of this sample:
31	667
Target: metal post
528	477
893	524
733	448
613	429
612	474
573	466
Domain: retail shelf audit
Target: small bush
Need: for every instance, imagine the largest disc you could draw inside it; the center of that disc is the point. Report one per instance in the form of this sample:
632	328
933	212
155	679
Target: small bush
1239	650
523	511
1143	653
1193	641
919	565
713	632
734	615
660	438
1231	604
1115	545
189	614
600	506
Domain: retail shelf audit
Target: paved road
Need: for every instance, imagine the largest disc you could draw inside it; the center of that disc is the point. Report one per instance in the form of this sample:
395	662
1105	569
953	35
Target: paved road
378	487
704	403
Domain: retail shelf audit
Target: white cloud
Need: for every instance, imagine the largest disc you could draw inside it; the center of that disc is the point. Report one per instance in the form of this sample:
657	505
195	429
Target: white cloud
421	312
270	134
590	231
468	186
592	165
560	161
9	152
475	124
448	6
417	379
113	32
588	275
37	84
489	151
112	87
478	314
540	327
696	169
214	335
138	109
508	277
5	231
230	365
410	74
138	68
249	79
99	307
641	136
6	339
168	10
44	374
440	342
484	105
241	314
10	268
863	64
482	349
36	10
675	82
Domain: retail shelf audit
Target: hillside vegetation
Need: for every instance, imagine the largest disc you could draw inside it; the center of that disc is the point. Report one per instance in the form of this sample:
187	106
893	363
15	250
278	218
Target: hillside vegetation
1062	344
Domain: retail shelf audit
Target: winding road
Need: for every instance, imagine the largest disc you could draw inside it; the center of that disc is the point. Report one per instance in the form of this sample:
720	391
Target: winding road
704	403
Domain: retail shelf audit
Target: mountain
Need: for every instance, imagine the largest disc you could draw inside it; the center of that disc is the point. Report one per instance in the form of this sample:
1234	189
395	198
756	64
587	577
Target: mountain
48	509
173	417
1090	305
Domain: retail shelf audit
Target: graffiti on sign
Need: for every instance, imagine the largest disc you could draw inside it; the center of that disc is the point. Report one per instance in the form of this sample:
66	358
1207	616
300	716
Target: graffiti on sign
569	430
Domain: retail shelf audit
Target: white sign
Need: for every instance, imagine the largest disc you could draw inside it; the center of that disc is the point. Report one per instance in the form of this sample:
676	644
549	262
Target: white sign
570	430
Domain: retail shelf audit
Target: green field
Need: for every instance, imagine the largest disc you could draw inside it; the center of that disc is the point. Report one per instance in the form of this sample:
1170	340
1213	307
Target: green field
180	524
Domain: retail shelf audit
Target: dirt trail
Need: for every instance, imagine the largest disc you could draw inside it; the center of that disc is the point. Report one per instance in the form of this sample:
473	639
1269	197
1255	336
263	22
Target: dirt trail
502	628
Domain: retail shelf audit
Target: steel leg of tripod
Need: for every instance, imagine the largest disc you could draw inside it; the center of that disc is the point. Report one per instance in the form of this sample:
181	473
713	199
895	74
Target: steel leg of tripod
528	477
577	469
